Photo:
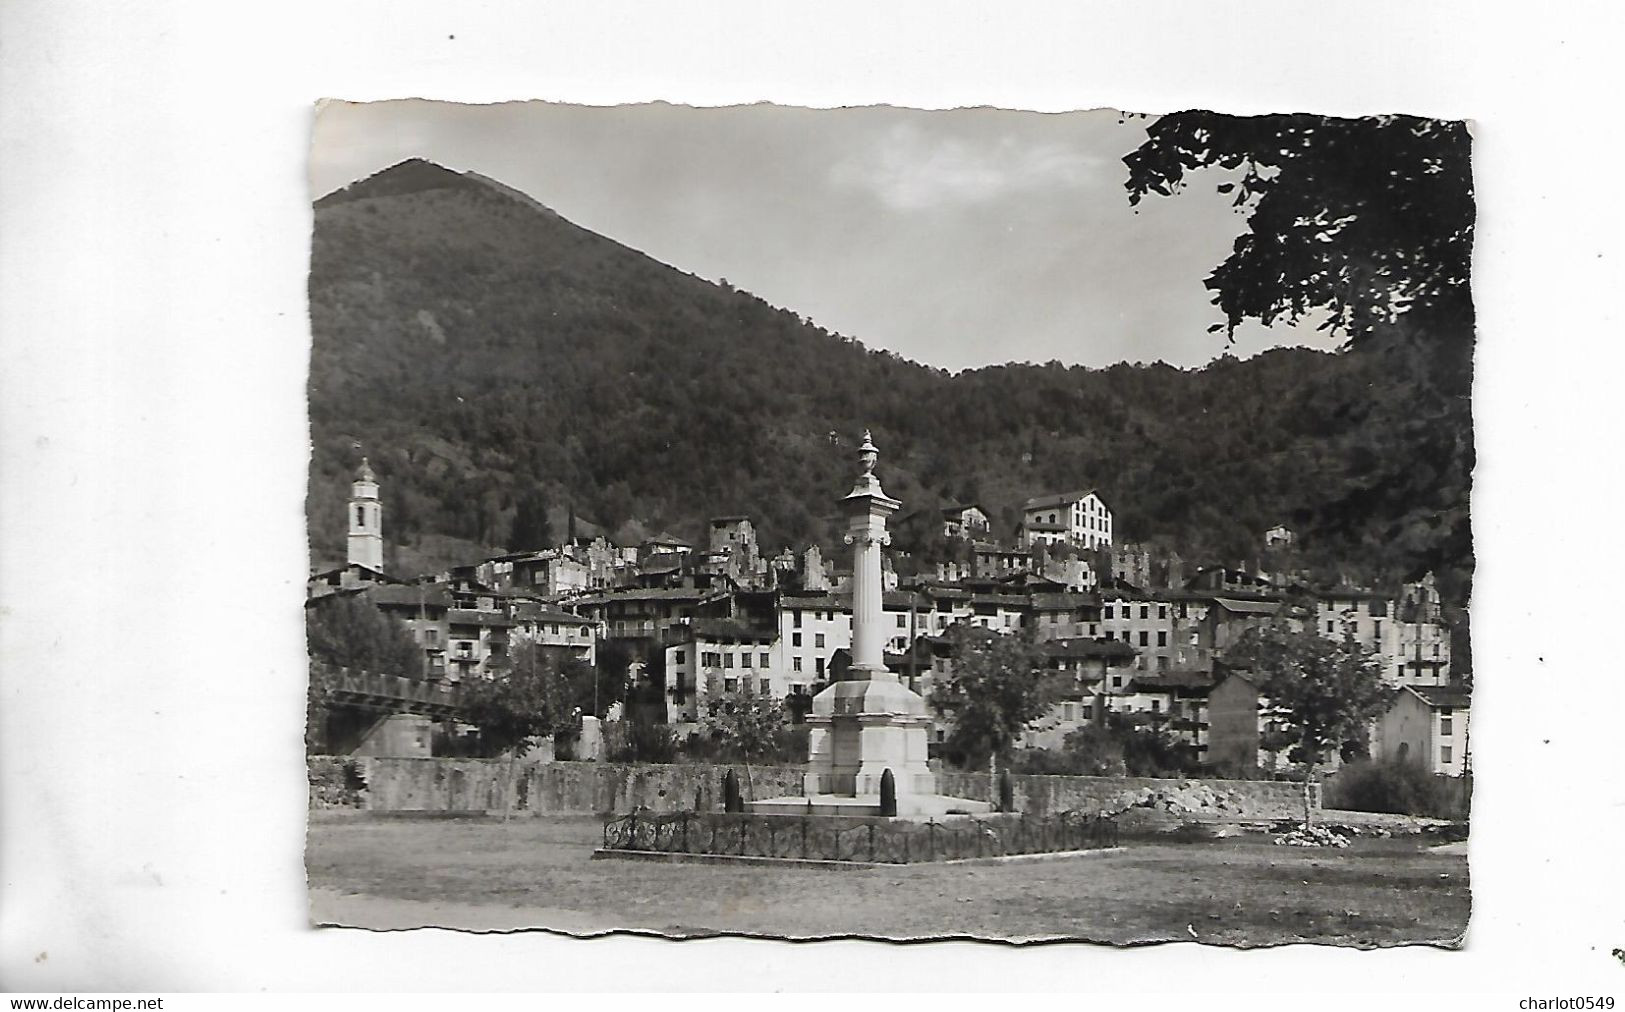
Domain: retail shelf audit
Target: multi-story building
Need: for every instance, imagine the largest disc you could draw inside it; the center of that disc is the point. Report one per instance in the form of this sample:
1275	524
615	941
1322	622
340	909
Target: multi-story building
708	656
664	543
964	520
989	560
1065	615
478	644
422	609
350	576
1079	669
555	629
1405	630
643	612
1079	519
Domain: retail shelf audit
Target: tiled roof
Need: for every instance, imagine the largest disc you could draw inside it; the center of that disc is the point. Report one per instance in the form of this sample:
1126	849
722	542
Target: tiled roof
646	594
1454	696
531	613
729	629
1064	599
986	547
1169	680
1049	499
1076	648
1248	607
399	594
485	618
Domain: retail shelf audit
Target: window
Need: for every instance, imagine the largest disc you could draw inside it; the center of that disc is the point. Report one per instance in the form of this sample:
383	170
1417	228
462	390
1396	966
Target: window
1117	681
1162	611
1145	638
680	655
795	639
1331	626
744	658
431	635
795	618
1156	706
730	685
727	660
818	640
795	664
360	516
1145	611
901	624
1162	637
1445	754
1446	727
762	658
765	686
1108	613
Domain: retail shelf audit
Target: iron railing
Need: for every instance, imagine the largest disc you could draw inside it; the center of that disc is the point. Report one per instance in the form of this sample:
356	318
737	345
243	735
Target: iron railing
848	838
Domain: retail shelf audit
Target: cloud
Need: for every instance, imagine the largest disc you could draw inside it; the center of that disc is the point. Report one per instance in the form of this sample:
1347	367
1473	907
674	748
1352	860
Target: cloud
910	171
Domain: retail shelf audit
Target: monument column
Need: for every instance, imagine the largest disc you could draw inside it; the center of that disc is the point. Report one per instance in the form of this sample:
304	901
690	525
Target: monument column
868	507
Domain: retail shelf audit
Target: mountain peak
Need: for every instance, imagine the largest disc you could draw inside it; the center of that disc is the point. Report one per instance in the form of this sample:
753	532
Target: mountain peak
416	175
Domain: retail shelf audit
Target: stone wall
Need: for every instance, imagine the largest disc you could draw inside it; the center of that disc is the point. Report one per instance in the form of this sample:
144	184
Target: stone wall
440	785
584	788
1040	795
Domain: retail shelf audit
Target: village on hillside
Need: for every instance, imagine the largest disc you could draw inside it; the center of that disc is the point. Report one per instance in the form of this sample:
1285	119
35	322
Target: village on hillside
1129	634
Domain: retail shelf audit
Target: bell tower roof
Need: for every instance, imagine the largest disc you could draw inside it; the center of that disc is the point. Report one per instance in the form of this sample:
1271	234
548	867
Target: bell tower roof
364	472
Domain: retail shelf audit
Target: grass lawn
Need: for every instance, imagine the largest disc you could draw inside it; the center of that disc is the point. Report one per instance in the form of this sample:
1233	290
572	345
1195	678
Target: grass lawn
537	872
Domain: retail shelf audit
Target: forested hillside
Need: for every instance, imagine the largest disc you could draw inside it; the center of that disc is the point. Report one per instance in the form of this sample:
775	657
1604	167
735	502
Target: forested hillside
482	350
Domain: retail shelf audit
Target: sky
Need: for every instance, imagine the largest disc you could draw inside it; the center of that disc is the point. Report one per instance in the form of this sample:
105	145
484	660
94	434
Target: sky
957	238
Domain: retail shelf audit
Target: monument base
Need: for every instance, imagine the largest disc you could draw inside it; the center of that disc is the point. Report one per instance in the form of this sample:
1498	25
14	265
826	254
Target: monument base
909	806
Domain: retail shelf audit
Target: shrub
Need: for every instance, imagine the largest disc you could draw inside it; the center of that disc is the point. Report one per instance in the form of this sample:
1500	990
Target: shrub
1401	788
335	783
635	741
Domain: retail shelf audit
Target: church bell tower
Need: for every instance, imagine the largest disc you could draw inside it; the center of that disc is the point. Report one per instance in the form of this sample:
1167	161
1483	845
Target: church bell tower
366	546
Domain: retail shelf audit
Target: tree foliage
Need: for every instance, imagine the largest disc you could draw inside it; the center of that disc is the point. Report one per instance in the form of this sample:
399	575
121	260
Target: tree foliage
742	723
1366	224
997	687
1122	744
531	530
1322	692
347	631
531	700
1356	220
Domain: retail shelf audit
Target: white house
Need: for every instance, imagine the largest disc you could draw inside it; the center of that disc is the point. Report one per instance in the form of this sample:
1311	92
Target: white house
1079	519
1427	725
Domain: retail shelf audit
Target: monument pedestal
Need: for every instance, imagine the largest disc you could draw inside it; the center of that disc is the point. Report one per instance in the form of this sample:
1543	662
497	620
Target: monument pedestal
859	729
868	722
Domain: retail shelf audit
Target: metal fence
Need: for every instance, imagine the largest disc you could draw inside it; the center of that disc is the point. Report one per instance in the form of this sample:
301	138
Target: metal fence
842	838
